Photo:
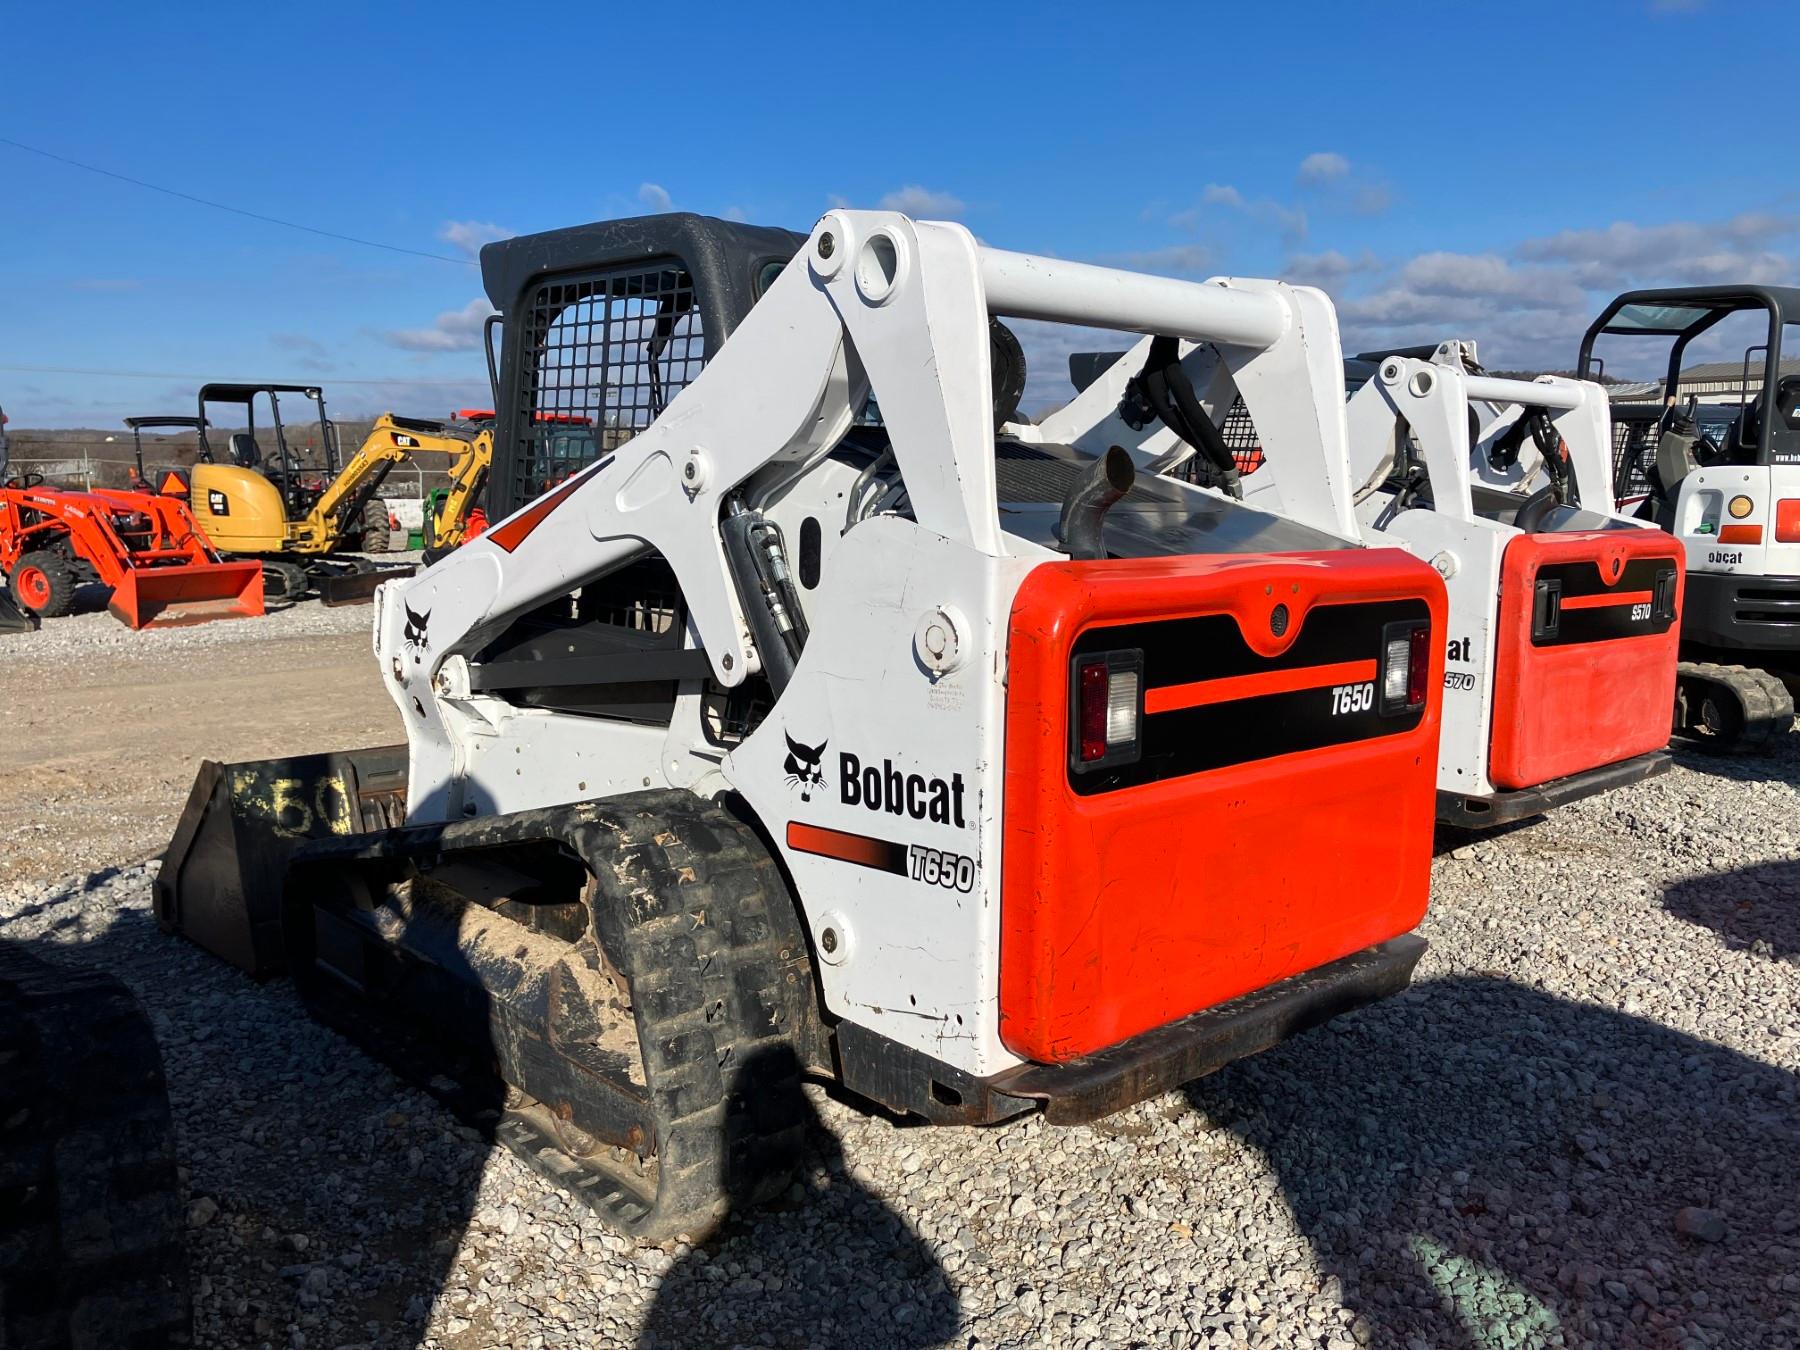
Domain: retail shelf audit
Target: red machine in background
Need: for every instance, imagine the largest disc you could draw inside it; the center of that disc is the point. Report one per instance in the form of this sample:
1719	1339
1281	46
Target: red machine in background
162	570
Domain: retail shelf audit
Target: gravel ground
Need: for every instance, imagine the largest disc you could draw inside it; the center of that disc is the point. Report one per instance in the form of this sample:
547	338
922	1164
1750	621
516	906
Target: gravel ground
91	632
105	726
1578	1128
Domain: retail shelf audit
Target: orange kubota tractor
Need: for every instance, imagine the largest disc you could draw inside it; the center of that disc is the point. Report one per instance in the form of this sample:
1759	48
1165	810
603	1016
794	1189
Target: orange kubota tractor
162	570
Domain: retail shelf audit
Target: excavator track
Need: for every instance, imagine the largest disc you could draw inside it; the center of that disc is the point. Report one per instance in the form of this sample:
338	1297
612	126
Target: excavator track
618	991
1730	709
91	1220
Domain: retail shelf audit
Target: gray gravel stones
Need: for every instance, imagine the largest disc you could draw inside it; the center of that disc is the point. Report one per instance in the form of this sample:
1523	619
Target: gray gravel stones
92	630
1578	1128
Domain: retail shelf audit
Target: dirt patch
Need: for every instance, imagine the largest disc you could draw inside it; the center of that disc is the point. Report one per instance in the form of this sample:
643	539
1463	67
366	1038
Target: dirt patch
99	749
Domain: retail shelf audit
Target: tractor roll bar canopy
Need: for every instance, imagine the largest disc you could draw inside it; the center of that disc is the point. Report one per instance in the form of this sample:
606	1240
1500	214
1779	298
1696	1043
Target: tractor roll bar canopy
139	425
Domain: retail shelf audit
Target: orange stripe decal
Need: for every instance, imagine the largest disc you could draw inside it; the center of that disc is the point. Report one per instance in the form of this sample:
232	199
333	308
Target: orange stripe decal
512	533
846	847
1230	688
1603	601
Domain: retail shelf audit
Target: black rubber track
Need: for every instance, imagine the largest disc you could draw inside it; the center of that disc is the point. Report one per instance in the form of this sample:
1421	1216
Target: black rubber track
691	909
709	938
284	580
1763	707
91	1220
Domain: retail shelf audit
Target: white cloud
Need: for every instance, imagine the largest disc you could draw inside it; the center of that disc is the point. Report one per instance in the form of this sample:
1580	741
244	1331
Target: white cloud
1680	251
1323	166
1190	259
455	330
1528	304
1289	220
470	235
923	202
655	196
1329	269
311	354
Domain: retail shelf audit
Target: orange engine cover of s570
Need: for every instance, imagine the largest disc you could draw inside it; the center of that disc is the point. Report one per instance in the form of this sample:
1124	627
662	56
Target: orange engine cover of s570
1584	652
1278	814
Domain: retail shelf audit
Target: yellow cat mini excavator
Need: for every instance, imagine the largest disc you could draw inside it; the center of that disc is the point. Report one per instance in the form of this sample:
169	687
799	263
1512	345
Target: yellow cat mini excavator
260	501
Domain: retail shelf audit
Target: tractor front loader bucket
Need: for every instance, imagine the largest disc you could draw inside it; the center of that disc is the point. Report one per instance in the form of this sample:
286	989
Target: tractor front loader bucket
170	597
358	587
221	879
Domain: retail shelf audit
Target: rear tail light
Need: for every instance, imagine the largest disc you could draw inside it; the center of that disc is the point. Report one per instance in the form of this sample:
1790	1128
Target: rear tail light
1396	671
1787	521
1741	534
1418	667
1109	709
1405	666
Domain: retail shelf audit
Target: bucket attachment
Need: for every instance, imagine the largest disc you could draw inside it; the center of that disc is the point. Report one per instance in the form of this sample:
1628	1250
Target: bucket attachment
220	881
358	587
171	597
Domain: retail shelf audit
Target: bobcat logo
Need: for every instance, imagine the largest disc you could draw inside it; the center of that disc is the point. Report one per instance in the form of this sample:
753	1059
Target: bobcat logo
802	766
414	636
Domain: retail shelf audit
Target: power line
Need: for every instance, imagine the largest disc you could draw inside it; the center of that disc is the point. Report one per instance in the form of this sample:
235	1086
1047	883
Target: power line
214	379
235	210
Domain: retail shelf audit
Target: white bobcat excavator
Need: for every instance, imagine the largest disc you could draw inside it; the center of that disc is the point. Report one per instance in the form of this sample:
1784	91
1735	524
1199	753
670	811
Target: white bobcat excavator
1560	653
786	738
1732	502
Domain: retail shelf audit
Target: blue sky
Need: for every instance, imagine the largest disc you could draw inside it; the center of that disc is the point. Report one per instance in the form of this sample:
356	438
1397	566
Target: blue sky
1493	171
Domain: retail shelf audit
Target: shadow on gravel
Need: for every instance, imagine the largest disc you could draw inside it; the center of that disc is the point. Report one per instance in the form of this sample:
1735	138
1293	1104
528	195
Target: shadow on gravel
1779	764
325	1200
1754	909
831	1268
1486	1165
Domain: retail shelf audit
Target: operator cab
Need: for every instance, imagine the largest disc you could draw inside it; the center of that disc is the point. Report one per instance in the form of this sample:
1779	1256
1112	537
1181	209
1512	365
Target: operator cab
279	430
1725	380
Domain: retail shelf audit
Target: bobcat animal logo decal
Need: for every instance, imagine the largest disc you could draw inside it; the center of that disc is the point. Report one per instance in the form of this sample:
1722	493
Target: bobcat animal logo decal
414	636
802	766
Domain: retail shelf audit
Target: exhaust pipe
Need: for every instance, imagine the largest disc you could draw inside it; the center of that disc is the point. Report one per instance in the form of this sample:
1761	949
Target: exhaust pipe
1084	510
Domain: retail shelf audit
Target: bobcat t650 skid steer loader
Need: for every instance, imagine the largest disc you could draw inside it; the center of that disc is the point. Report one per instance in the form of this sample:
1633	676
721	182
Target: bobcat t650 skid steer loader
1560	652
786	737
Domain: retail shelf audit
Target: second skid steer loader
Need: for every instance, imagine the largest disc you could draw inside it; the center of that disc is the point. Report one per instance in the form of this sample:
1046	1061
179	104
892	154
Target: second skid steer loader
1564	615
981	776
